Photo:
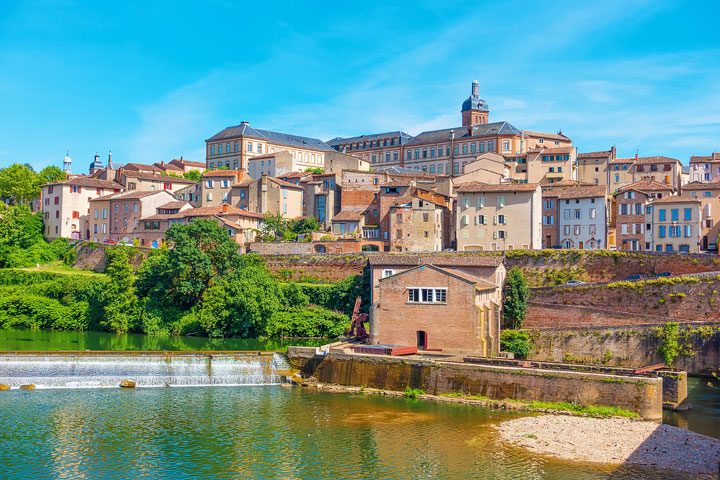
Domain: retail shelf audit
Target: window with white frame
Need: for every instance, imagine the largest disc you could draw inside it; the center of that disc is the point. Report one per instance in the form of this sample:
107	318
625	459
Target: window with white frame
387	273
427	295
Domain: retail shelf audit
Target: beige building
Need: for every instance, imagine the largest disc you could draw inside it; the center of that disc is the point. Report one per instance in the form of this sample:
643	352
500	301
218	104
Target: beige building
268	195
150	182
66	205
620	173
322	198
550	164
153	228
232	147
659	169
629	212
674	225
709	195
705	168
594	167
216	185
498	217
417	224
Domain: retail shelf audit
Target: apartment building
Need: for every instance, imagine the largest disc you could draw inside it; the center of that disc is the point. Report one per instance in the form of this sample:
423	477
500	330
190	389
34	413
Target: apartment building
629	220
620	173
673	225
153	228
416	224
66	205
268	195
232	147
116	217
322	197
446	302
594	167
705	168
150	182
216	185
498	217
550	165
551	225
709	195
447	151
659	169
384	148
582	217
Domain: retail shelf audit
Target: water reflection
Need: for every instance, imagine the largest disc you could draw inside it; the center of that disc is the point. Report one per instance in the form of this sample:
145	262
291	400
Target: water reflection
24	340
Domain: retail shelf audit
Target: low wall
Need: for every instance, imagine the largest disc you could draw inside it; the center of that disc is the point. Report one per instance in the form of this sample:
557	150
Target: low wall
642	395
635	346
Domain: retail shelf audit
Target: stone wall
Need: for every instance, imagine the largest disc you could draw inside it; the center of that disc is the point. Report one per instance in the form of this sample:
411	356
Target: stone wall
628	346
328	268
682	299
642	395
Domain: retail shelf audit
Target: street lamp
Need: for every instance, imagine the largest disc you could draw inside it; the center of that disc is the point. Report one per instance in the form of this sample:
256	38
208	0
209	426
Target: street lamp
452	153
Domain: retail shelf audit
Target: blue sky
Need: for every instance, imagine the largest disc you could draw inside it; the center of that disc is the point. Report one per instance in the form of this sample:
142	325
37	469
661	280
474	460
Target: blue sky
152	80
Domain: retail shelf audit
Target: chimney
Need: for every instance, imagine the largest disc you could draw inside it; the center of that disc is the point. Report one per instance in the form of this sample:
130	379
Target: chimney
225	208
636	154
244	122
613	153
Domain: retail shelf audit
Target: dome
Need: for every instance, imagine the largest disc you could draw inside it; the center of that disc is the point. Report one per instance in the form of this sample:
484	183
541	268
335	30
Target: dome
474	102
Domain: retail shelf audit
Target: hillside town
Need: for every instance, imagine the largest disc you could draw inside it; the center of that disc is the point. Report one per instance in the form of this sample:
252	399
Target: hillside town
483	186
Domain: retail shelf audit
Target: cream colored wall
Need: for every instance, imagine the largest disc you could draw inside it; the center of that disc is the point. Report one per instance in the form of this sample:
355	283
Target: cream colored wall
69	202
523	221
676	242
99	205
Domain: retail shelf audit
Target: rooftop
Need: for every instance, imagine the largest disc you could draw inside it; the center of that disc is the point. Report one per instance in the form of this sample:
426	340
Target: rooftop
438	259
154	176
278	138
83	181
503	187
552	136
646	186
340	141
582	191
676	199
132	195
701	186
462	133
603	154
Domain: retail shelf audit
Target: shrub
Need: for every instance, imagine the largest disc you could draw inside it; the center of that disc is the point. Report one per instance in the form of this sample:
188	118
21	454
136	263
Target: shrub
307	322
516	295
515	341
413	392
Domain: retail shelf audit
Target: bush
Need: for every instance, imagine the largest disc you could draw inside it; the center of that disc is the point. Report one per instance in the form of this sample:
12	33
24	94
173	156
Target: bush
307	322
515	341
516	294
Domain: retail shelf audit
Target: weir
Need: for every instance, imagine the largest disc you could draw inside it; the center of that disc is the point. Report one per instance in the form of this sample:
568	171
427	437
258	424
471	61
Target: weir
146	369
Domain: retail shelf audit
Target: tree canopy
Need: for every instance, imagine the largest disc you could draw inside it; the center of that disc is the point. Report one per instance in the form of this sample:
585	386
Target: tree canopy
20	184
516	293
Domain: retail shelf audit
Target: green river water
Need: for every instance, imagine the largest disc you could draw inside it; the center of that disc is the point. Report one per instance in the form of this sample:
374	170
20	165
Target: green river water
266	431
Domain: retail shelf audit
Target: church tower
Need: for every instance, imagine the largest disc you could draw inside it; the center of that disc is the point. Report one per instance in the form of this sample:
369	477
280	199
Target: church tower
475	110
67	163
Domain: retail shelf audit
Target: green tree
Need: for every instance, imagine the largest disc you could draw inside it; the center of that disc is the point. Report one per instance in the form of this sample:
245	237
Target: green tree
194	175
51	174
515	341
19	184
516	294
315	170
201	251
121	312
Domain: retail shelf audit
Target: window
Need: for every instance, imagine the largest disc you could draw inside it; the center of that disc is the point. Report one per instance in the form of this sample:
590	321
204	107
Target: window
506	145
167	186
687	214
212	149
662	231
427	295
387	273
501	201
209	184
209	196
662	215
97	213
688	231
250	147
481	219
225	183
501	219
480	202
549	204
675	214
593	213
220	149
577	213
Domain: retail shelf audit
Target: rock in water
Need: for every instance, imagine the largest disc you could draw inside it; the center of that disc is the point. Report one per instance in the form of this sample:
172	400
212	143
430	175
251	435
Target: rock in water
127	384
4	386
27	387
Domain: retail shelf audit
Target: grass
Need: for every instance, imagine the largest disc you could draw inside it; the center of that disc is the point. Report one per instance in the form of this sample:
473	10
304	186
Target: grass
59	268
413	392
538	406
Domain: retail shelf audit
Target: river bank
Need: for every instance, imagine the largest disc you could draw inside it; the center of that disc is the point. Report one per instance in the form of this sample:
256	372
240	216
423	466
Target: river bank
615	441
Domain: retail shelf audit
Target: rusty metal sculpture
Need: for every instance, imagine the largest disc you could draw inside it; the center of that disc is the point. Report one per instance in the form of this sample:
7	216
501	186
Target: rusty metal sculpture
357	330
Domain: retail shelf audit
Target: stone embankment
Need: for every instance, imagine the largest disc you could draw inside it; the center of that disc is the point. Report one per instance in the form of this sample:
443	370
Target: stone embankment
615	441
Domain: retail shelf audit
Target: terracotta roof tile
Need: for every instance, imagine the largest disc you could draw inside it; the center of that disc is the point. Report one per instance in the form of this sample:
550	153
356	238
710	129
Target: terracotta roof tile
153	176
646	186
83	181
676	199
582	192
503	187
438	259
349	214
603	154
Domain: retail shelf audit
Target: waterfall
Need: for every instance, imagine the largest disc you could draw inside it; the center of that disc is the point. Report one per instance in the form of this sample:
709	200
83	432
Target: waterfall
104	370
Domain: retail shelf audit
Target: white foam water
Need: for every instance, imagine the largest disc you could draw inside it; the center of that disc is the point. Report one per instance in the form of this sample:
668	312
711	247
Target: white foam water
146	370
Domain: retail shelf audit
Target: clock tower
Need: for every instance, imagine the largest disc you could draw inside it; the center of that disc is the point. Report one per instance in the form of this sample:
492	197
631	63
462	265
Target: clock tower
475	110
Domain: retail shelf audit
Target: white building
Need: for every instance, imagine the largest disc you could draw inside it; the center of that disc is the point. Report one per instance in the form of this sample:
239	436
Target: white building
66	205
583	217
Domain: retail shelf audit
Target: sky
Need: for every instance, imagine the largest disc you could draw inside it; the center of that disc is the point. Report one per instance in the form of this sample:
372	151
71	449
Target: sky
152	80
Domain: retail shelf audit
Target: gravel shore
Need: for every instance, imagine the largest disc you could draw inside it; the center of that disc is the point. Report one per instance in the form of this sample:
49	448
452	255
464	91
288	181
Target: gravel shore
615	441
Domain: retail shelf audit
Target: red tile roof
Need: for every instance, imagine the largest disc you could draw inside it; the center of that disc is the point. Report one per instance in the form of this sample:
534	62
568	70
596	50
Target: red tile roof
676	199
582	192
503	187
702	186
153	176
603	154
83	181
646	186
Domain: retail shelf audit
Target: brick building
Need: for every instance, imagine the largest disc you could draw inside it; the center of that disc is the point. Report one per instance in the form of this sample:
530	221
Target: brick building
441	302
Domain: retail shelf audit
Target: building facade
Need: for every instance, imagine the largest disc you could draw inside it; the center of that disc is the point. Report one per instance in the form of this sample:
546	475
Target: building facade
498	217
582	217
629	220
705	168
673	225
708	193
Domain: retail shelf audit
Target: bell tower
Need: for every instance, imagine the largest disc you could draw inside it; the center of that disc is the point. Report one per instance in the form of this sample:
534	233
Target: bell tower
475	110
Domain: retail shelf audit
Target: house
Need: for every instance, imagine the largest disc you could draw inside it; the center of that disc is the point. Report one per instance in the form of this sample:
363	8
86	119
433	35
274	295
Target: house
150	181
322	198
594	167
550	164
628	217
66	205
117	217
658	168
673	225
582	218
191	194
268	195
450	303
709	195
241	225
153	228
498	217
620	173
216	185
705	168
417	224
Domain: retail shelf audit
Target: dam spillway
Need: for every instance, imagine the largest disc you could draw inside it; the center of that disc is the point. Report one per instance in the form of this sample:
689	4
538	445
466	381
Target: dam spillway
146	369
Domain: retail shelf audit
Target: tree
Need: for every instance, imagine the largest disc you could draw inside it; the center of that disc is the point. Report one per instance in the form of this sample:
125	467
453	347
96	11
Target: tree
122	312
51	174
178	277
19	185
315	170
194	175
516	293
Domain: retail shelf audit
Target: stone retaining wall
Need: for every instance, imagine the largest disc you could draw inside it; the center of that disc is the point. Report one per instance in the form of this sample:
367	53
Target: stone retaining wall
642	395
